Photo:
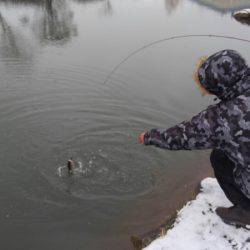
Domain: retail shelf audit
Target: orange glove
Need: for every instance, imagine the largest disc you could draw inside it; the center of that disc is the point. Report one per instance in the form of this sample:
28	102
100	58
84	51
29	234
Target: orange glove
141	138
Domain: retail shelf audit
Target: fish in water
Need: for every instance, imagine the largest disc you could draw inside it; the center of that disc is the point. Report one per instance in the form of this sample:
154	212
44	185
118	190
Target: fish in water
70	165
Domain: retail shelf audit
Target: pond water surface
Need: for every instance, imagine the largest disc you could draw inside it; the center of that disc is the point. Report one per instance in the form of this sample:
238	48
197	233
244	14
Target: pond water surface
54	58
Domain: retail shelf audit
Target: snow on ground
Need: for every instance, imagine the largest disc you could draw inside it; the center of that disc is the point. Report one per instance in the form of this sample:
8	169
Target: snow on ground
197	226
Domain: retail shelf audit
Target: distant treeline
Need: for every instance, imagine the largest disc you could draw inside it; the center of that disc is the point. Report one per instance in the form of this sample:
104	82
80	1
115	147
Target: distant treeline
41	2
28	2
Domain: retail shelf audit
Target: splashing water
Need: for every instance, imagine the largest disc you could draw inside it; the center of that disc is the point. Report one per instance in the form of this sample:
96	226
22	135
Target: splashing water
78	169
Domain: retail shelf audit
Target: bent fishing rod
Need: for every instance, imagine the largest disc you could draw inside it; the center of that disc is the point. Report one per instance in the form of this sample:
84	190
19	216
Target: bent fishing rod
165	40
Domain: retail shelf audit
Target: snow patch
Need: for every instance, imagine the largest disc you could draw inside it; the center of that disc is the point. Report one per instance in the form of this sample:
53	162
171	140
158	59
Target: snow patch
197	226
244	11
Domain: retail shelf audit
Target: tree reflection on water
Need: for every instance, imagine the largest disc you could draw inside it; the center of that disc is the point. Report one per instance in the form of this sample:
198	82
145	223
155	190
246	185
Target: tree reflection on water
8	45
51	22
107	8
56	23
171	5
106	5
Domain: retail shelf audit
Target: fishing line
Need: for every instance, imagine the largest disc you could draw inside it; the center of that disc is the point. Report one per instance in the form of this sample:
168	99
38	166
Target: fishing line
165	40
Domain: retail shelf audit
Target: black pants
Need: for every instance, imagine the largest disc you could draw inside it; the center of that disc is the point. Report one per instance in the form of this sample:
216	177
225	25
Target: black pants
223	171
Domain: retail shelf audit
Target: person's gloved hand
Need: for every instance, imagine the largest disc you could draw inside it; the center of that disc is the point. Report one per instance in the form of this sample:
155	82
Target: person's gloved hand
141	138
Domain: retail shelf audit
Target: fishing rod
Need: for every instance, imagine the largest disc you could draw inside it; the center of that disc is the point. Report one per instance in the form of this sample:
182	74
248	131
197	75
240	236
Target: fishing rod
168	39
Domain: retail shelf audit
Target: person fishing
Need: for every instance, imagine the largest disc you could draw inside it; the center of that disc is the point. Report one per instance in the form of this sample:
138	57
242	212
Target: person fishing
70	165
223	127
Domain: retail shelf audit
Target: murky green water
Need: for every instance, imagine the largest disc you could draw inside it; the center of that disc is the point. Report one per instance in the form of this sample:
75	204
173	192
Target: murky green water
54	58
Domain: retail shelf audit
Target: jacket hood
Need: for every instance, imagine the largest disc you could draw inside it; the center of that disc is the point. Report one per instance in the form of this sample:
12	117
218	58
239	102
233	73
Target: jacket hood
225	74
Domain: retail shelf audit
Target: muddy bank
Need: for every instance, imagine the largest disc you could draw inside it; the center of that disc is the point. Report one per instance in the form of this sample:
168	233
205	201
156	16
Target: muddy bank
157	216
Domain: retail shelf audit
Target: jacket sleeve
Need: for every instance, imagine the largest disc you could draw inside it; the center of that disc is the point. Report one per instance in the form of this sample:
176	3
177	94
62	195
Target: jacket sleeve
198	133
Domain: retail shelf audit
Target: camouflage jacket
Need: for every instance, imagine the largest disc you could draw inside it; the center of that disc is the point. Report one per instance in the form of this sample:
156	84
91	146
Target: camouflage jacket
225	125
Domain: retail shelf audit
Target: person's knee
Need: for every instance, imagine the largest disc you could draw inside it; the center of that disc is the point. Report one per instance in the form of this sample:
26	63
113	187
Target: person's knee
215	159
223	167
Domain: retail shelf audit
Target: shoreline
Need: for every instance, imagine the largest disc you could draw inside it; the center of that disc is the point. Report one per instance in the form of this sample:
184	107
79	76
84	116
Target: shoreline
165	220
197	226
141	241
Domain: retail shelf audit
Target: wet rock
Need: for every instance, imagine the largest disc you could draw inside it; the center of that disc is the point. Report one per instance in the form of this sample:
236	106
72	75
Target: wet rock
242	16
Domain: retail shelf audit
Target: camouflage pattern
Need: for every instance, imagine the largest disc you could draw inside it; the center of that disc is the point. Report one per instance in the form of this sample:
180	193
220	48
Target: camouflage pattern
225	125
